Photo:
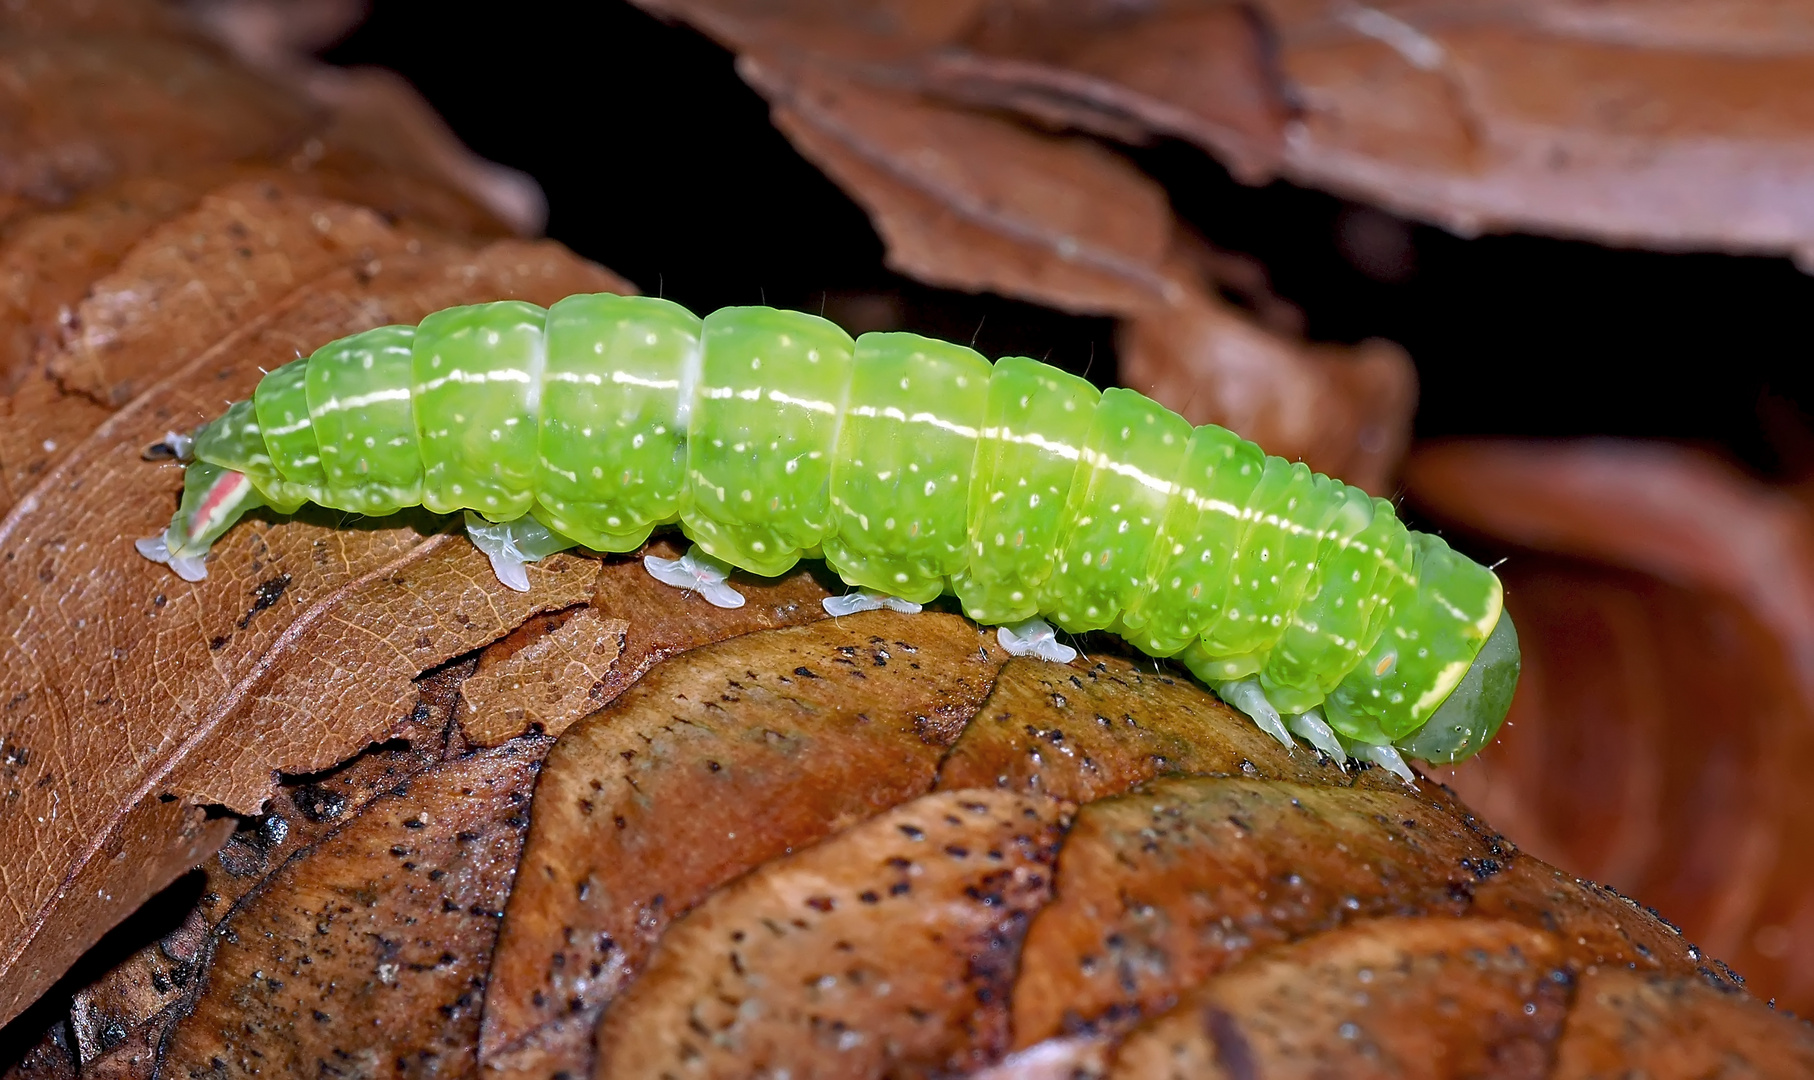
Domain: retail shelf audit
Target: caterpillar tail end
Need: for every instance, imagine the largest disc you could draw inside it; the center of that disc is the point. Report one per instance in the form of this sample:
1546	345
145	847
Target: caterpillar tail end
214	498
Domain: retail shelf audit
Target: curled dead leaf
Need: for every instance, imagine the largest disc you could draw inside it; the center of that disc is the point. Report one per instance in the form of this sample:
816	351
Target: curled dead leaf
1664	712
893	943
172	657
1626	1020
1666	125
400	903
699	772
1387	995
975	201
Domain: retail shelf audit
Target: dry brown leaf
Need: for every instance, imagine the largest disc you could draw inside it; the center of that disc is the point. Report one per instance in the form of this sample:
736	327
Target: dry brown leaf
120	1020
977	202
164	236
164	667
1384	997
1200	73
699	772
84	109
379	934
1487	119
1346	411
241	252
546	674
885	951
654	622
663	622
673	819
1627	1023
1086	734
1653	122
103	16
1164	887
1664	715
1669	512
104	90
1597	926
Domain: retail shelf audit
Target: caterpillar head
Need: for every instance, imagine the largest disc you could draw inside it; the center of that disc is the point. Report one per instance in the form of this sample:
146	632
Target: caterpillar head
214	497
1469	718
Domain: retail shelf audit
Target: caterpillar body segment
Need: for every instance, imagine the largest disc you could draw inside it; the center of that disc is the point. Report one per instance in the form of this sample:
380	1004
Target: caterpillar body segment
913	467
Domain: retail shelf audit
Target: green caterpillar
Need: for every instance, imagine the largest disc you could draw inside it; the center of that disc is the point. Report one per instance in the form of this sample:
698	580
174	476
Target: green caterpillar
913	467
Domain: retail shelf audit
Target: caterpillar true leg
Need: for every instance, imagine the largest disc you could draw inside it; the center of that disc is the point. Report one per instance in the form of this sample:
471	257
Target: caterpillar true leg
1246	695
697	572
1316	731
511	545
1386	757
867	600
1034	637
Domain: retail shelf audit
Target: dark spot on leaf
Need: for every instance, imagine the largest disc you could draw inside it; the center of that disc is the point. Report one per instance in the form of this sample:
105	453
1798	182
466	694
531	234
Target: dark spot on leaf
318	803
266	593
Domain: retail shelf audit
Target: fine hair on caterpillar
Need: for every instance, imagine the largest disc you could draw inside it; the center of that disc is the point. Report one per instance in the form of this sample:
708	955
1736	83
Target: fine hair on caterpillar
914	467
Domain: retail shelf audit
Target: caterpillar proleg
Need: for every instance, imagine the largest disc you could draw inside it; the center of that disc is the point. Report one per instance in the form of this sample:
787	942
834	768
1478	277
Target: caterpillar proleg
914	468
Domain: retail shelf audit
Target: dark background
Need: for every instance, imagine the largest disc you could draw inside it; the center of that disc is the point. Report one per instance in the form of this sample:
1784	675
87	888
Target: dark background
661	164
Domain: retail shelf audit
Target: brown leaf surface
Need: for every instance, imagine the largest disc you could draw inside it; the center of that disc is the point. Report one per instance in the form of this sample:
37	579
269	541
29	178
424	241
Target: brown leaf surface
547	676
81	109
1598	926
1169	885
975	201
1664	715
241	252
120	1020
1626	1023
1345	410
138	685
1196	72
1662	124
216	244
700	772
379	934
1384	997
887	950
1164	887
1494	120
1080	735
107	91
1156	905
105	16
663	621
